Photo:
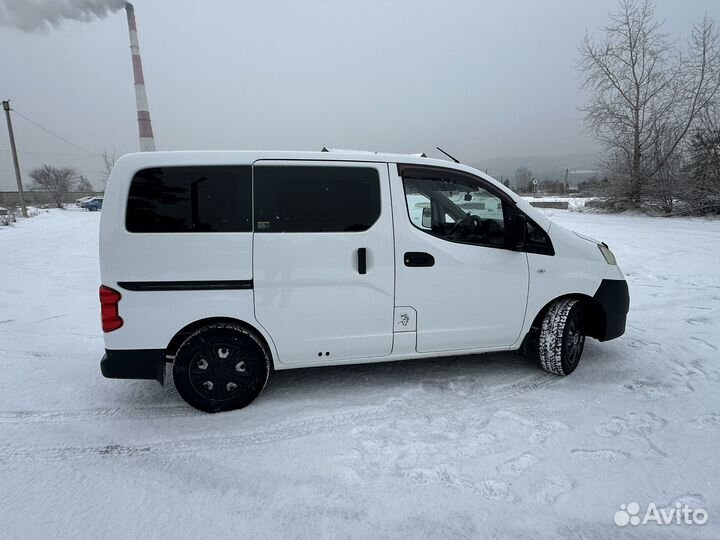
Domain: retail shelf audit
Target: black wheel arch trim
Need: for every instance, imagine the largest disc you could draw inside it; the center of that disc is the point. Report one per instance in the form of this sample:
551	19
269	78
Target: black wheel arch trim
606	313
186	331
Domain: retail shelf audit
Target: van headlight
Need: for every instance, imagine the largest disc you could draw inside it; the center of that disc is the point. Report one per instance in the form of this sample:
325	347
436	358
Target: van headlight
609	257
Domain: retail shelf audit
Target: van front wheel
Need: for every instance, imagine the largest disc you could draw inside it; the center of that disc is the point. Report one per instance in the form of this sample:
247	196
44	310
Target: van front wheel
562	337
220	368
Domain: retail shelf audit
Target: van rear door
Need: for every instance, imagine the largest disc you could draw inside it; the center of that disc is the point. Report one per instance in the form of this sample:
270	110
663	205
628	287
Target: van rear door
323	260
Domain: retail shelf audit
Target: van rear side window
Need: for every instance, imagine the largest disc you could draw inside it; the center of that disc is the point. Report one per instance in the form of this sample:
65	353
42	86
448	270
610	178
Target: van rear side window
190	199
316	199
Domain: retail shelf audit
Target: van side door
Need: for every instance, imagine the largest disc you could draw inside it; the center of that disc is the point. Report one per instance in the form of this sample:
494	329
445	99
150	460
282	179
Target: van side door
323	260
454	261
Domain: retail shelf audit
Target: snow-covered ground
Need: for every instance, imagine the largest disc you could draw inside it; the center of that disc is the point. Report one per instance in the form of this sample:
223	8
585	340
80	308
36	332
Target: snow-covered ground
472	447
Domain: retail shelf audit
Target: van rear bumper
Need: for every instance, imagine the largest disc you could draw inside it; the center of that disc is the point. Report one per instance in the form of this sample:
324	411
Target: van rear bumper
614	298
134	364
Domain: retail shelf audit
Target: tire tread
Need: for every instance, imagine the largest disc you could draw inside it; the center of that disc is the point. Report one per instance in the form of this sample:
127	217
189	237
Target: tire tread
551	335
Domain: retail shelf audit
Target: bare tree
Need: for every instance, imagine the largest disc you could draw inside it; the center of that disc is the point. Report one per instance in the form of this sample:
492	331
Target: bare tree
83	185
109	160
646	95
523	179
703	193
54	180
663	189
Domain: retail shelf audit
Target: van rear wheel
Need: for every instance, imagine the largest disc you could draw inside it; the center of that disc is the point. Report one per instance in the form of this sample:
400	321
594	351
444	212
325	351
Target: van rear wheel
220	368
562	337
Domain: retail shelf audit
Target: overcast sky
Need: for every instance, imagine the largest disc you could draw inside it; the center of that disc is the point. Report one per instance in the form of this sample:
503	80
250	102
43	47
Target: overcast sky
481	79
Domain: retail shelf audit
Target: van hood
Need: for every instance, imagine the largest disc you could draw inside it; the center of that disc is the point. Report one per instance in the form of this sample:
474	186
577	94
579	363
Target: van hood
588	238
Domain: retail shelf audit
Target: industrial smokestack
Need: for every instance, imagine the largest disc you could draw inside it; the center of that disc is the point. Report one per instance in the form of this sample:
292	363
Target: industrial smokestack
147	141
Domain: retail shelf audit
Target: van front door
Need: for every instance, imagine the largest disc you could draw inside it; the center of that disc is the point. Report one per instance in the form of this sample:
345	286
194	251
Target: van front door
323	260
455	264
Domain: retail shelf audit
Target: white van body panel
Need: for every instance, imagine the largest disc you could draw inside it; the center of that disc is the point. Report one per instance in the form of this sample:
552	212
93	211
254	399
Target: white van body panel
576	268
151	323
473	294
151	319
126	256
307	296
310	296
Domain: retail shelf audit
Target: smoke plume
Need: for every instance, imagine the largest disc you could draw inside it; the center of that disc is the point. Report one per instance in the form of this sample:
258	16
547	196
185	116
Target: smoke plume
31	15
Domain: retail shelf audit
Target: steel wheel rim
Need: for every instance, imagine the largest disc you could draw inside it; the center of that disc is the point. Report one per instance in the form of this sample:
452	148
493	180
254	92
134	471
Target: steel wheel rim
220	371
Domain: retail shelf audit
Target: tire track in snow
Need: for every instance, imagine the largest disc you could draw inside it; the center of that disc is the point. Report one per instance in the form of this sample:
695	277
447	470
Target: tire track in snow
130	413
399	407
253	437
120	413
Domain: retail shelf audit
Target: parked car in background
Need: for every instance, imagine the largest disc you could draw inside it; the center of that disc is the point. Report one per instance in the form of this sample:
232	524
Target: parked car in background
93	204
82	200
6	216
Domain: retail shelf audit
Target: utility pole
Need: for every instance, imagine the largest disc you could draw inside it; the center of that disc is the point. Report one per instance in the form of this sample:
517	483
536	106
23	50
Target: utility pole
566	184
21	193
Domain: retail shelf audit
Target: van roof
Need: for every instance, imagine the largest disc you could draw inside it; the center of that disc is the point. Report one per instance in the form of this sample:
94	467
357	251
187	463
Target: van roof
248	157
207	157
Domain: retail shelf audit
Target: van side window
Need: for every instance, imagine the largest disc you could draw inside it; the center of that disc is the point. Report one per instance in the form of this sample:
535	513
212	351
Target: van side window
456	209
316	198
190	199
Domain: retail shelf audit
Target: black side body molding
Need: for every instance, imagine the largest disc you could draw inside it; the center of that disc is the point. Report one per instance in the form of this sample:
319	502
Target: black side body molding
186	285
134	364
614	298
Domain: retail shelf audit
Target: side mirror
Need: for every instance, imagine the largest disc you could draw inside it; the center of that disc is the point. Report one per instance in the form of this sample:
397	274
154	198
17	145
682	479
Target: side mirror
427	218
519	231
467	197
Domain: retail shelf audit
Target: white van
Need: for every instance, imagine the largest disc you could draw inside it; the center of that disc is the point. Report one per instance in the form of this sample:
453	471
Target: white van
228	265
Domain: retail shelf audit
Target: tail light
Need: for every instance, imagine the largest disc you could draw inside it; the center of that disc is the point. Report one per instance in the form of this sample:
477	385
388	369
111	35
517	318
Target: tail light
109	299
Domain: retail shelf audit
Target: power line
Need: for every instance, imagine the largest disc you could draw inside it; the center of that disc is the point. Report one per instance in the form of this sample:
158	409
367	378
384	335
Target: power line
76	155
53	134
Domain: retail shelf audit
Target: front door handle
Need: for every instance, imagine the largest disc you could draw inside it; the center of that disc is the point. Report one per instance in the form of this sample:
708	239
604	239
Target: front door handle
418	258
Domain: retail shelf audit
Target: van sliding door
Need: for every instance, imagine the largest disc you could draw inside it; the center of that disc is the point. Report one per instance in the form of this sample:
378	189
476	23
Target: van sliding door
323	261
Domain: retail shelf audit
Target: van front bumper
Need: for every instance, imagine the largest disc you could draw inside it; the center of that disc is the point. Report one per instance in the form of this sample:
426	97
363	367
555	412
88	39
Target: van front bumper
134	364
614	298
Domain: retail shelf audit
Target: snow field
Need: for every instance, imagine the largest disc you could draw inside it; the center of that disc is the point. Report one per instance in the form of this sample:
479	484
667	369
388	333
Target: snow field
470	447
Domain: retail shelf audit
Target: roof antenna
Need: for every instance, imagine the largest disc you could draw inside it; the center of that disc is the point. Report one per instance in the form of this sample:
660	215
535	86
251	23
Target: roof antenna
448	155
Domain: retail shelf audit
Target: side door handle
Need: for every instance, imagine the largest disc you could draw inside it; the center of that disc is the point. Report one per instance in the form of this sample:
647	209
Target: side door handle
418	258
362	260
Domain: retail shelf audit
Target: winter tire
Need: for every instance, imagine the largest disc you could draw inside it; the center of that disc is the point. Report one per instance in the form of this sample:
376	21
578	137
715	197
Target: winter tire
562	337
221	368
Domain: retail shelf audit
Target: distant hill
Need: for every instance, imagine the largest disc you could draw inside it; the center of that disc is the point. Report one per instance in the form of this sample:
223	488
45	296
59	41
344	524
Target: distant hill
581	166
